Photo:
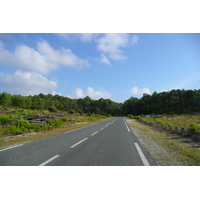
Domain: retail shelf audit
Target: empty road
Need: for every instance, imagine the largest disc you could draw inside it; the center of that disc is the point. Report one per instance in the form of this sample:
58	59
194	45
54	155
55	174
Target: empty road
108	143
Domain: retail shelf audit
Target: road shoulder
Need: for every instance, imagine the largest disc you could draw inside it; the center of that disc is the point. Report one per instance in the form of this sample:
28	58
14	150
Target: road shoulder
161	156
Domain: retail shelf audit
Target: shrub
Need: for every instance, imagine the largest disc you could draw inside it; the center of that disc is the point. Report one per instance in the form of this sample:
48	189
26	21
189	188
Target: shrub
132	117
79	120
50	122
71	112
4	119
64	119
58	122
193	128
22	122
52	109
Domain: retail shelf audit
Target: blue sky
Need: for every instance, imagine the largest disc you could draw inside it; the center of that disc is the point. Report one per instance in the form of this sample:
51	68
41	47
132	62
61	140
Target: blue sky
114	66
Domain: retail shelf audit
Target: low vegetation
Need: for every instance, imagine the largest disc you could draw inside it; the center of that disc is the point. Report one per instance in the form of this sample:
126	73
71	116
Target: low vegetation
190	122
23	131
23	126
177	147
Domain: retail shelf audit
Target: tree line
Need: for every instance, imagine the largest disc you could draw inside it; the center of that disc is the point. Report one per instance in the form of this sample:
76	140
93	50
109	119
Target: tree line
174	101
57	102
169	102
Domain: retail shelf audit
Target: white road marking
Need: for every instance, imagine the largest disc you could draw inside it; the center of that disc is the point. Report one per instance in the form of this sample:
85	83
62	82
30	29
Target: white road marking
94	133
12	147
48	161
101	129
127	127
115	120
143	158
78	143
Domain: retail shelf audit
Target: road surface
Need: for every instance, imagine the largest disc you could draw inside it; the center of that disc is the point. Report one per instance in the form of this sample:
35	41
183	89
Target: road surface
108	143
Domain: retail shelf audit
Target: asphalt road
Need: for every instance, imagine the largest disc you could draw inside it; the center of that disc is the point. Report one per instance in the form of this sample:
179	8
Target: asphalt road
108	143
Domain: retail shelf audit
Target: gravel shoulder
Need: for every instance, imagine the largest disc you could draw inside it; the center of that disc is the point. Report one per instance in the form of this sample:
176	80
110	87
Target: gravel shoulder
160	155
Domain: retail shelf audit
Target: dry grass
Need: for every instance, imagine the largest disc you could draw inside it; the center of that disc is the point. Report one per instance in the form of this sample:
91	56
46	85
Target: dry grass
176	120
14	140
189	156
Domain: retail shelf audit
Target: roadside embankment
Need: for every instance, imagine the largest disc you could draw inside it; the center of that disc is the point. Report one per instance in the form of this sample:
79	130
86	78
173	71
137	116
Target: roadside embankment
166	148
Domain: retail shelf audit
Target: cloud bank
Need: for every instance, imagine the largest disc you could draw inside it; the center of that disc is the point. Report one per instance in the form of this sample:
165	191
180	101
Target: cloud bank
110	44
78	93
26	83
139	92
42	60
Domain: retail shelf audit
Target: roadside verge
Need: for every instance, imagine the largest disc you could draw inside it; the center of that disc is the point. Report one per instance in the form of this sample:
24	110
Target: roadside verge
9	141
163	148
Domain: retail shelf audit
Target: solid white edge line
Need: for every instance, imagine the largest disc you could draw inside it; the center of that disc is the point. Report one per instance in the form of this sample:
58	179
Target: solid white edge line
143	158
78	143
12	147
48	161
127	127
94	133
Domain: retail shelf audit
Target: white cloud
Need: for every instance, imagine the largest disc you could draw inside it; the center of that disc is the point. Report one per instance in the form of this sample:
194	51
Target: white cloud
104	59
97	94
78	93
26	83
112	43
139	92
42	60
134	39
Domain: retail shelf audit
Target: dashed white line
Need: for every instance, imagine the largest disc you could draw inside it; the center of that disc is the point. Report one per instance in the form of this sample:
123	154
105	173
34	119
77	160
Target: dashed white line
101	129
94	133
143	158
78	143
48	161
127	127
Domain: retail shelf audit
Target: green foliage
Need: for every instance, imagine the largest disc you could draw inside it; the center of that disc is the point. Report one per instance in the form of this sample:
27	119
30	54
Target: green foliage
132	117
50	122
193	128
58	122
4	119
174	101
22	123
52	109
71	112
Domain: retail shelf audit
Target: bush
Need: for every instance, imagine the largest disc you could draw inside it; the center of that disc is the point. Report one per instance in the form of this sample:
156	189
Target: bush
50	122
58	122
79	120
71	112
4	119
13	129
193	128
22	123
52	109
132	117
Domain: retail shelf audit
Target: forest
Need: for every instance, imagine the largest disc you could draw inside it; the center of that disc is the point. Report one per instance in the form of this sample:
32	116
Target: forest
171	102
167	102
